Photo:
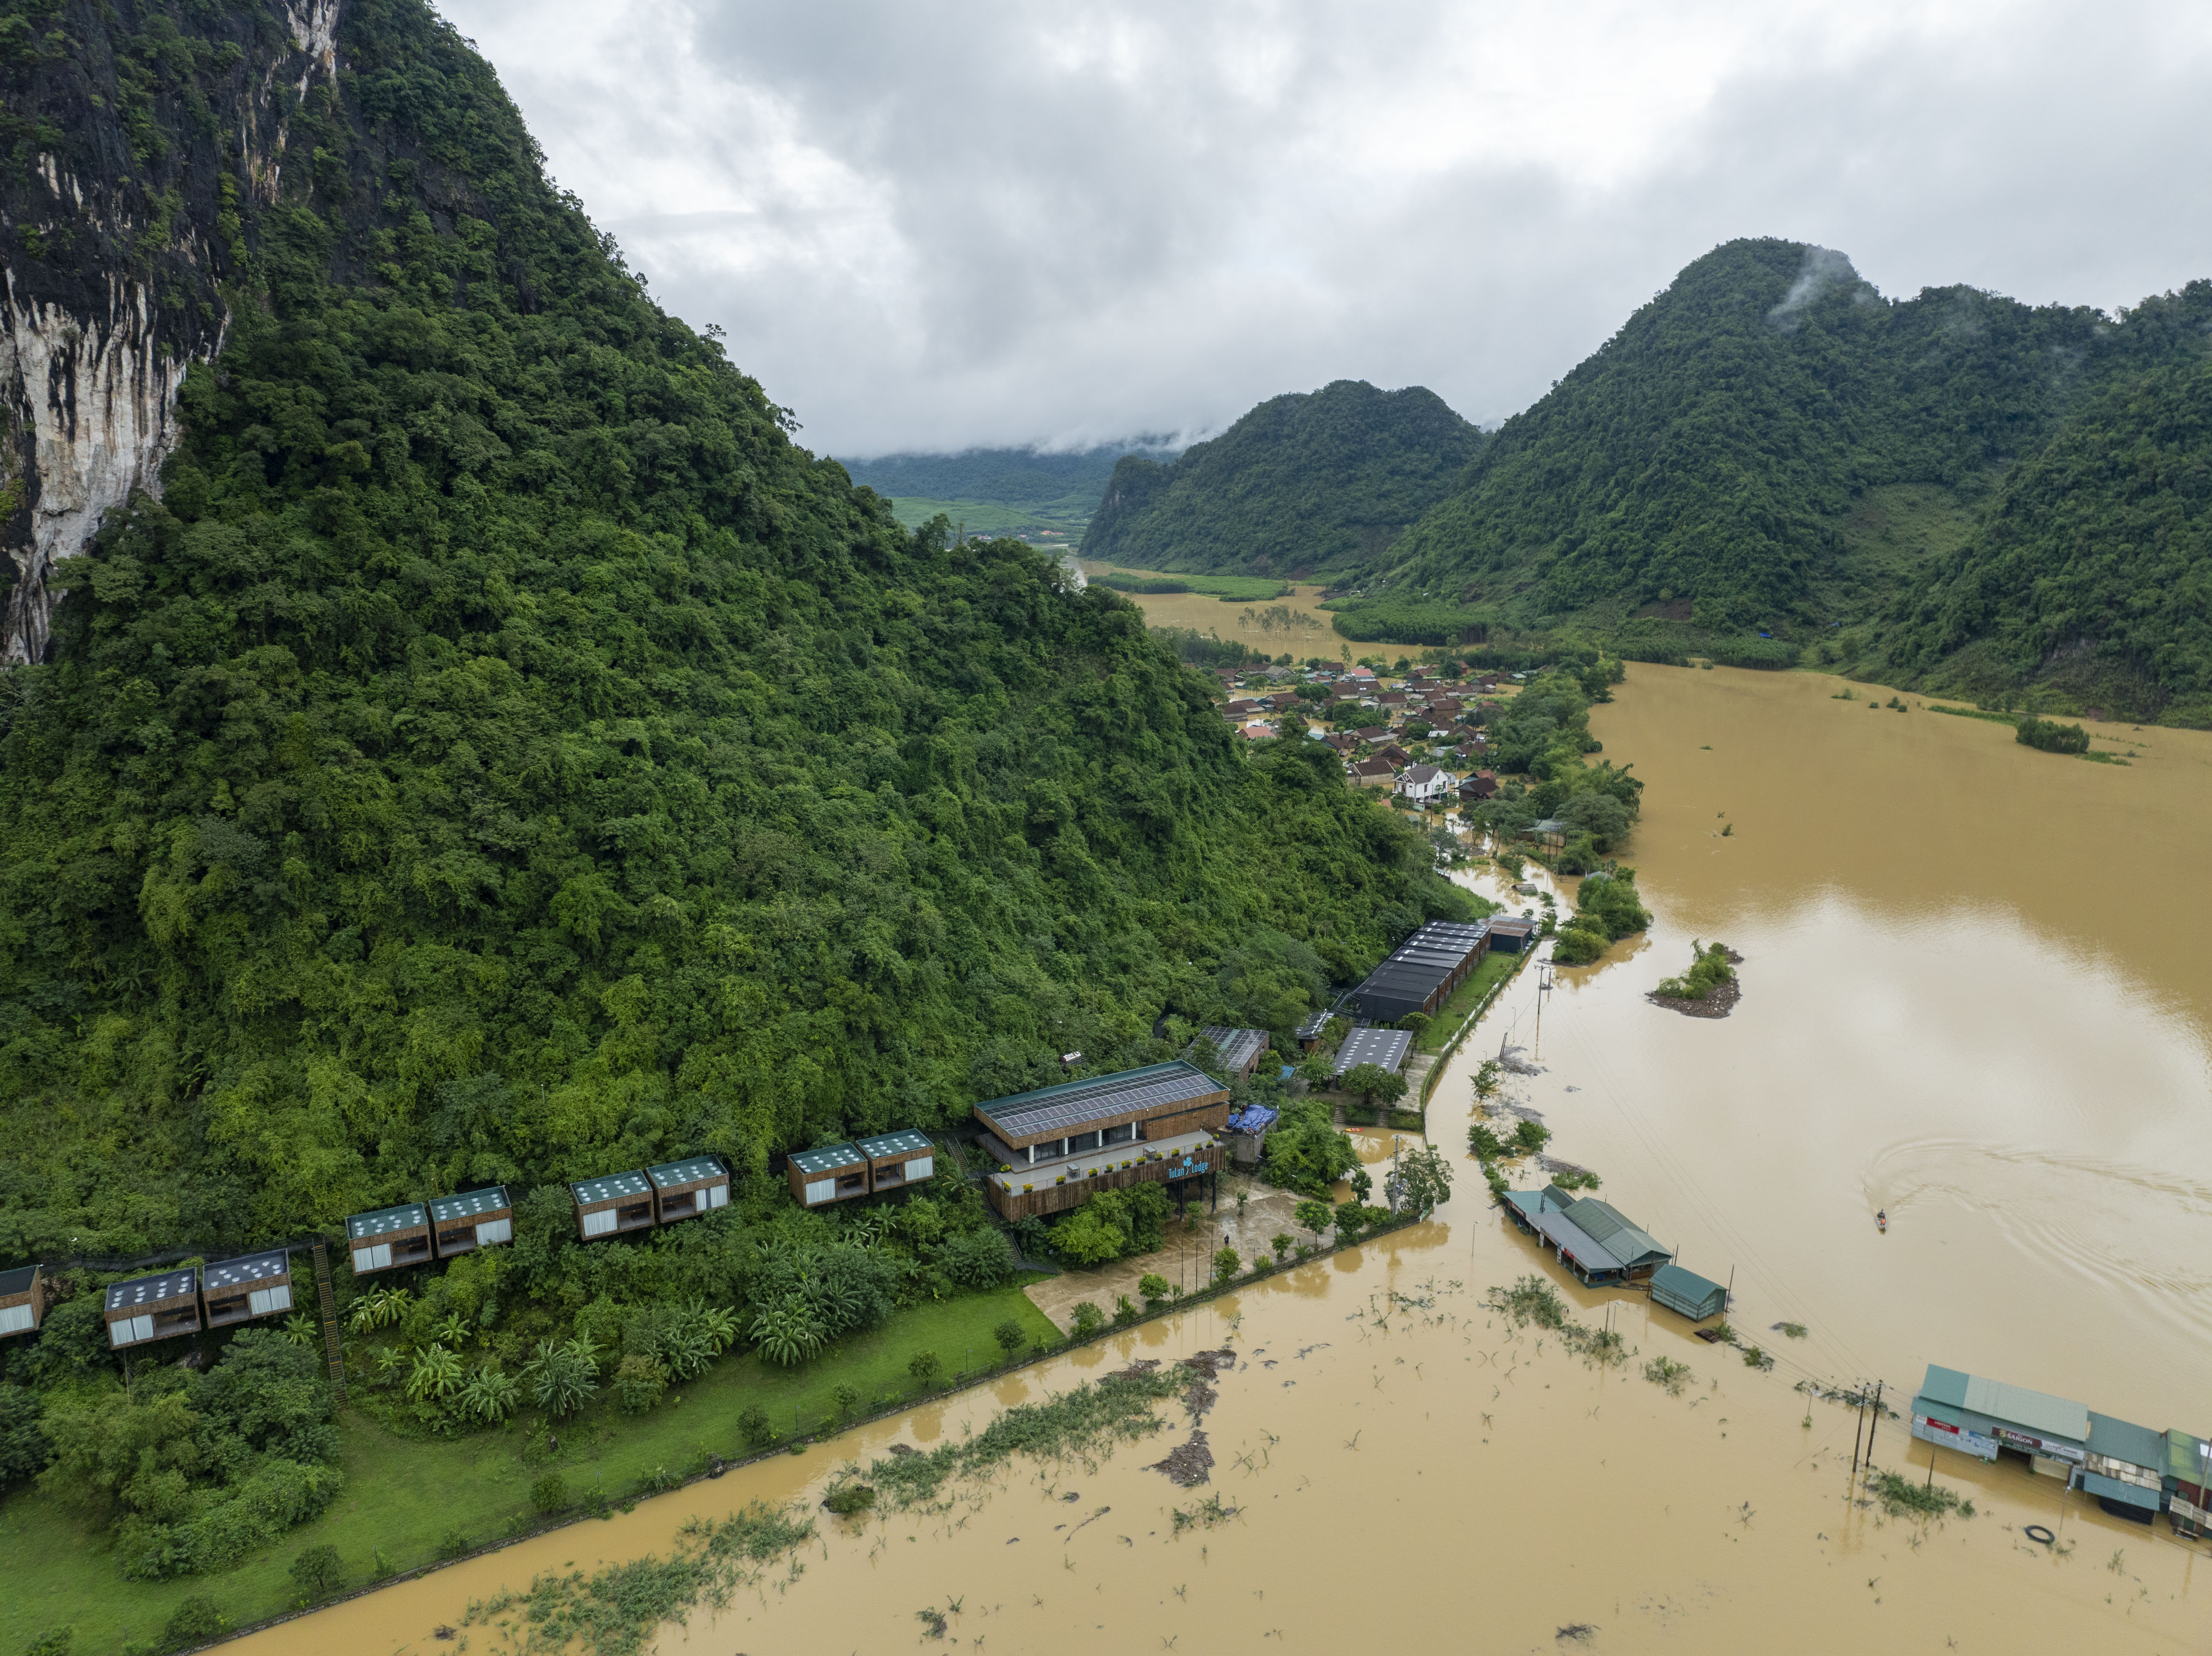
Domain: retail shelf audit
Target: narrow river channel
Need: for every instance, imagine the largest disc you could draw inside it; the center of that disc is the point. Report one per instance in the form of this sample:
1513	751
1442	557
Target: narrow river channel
1978	992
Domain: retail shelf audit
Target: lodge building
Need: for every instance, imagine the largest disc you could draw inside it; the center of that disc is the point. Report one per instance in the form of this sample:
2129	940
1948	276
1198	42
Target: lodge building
1056	1147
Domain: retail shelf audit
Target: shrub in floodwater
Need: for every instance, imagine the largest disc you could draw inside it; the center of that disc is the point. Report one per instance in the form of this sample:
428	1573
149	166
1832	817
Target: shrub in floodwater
1125	1311
1088	1320
1709	970
2051	737
1577	1179
1792	1331
1227	1262
1666	1373
1899	1496
849	1498
1755	1358
1531	1300
1529	1138
1483	1143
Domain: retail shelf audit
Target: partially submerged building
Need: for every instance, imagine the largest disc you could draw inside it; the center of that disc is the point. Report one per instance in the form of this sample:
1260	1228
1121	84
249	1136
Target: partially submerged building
2188	1483
1688	1294
471	1219
1248	1132
896	1160
2125	1467
22	1299
239	1290
834	1173
153	1307
389	1238
612	1204
1057	1146
686	1189
1985	1418
1591	1238
1509	934
1421	973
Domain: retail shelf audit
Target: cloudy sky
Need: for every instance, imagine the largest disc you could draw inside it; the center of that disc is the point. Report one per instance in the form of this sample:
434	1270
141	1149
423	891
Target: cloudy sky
927	226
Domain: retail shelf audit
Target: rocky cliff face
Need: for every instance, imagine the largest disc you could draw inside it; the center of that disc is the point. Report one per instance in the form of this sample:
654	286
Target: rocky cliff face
144	140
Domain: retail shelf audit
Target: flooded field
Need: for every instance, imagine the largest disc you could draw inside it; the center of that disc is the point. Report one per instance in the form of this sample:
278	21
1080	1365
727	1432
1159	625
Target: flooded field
1309	633
1975	993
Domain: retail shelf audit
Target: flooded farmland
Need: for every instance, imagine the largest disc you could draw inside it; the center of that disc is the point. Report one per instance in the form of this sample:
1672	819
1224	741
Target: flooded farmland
1976	995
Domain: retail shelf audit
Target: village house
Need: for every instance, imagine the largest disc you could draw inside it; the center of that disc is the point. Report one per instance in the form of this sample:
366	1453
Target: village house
1424	784
1258	730
1483	785
1394	756
1371	733
1371	772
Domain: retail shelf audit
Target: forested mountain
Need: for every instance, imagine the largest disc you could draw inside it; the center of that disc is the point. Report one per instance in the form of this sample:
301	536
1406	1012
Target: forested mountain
1032	476
501	753
1301	483
1956	488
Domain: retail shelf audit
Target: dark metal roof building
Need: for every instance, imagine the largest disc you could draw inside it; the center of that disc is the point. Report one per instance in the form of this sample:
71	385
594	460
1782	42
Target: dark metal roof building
896	1160
1422	971
1385	1048
1156	1092
389	1238
154	1307
22	1299
835	1172
239	1290
686	1189
473	1219
1239	1049
612	1203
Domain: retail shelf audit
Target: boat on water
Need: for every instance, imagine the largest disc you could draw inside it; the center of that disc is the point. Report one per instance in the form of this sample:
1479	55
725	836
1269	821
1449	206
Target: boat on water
1881	1220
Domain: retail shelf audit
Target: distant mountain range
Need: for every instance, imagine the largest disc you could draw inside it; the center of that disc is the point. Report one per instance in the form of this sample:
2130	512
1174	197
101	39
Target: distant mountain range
1002	490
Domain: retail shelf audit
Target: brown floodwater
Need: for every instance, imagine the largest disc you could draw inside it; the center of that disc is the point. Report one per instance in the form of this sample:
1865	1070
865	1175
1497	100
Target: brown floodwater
1975	993
1310	633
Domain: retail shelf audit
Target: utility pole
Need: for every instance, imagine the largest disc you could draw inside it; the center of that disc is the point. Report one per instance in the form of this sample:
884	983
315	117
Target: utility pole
1858	1425
1873	1423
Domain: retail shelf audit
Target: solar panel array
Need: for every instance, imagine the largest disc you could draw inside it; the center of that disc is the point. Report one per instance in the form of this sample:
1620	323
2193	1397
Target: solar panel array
1057	1111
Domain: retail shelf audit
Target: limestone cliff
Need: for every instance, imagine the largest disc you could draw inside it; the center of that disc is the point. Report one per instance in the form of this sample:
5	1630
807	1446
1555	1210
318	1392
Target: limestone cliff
142	141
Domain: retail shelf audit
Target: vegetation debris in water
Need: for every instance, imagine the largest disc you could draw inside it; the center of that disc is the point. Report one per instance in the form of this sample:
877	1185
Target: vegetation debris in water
1666	1373
1901	1495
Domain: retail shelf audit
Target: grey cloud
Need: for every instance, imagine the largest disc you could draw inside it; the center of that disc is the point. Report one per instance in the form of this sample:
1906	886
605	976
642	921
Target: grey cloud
929	225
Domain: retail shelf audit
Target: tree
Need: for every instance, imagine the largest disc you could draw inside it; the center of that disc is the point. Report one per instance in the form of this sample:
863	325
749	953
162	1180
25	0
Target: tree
316	1573
1425	1180
1227	1262
1010	1337
846	1397
1152	1288
1488	1077
925	1367
549	1494
1088	1320
1281	1242
789	1331
1371	1082
562	1379
1315	1215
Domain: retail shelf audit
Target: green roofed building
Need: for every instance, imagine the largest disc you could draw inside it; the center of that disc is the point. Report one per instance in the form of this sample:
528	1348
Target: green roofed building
896	1160
389	1238
612	1204
2189	1481
833	1172
2125	1467
1684	1291
1986	1417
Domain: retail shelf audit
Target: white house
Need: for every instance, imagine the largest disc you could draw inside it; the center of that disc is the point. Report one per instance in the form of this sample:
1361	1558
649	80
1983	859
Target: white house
1423	784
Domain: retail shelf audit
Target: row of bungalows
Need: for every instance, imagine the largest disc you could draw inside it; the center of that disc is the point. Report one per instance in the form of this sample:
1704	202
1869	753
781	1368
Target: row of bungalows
192	1298
1591	1238
643	1198
414	1233
1058	1146
2132	1470
865	1167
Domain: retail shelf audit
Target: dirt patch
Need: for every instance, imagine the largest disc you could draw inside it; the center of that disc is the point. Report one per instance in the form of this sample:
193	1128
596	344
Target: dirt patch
1208	1365
1188	1465
1556	1165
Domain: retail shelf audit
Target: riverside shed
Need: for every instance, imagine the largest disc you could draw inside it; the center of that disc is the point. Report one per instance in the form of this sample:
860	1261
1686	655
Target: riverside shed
896	1160
22	1299
1686	1293
612	1204
473	1219
239	1290
685	1190
153	1307
835	1172
389	1238
1509	934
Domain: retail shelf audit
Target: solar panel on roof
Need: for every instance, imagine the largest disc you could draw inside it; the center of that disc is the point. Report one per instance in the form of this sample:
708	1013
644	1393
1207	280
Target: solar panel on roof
1057	1110
235	1273
905	1142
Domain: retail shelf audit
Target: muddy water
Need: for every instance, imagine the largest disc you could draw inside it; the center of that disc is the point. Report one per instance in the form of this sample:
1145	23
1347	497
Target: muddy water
1973	996
1212	615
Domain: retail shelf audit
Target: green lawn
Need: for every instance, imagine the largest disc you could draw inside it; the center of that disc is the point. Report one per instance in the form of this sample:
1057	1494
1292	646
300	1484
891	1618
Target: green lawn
404	1495
1465	999
1069	514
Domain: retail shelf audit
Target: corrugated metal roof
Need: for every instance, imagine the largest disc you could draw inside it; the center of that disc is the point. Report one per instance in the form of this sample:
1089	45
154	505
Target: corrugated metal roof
1065	1107
2039	1412
468	1204
17	1281
830	1158
151	1290
1311	1028
1386	1048
609	1187
1623	1238
382	1222
2128	1495
1685	1285
2121	1439
1589	1253
2188	1457
698	1170
237	1273
905	1142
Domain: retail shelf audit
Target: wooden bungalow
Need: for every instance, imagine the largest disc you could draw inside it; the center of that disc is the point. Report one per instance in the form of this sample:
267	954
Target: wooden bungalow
686	1189
896	1160
239	1290
612	1204
389	1238
474	1219
22	1299
1057	1146
154	1307
835	1172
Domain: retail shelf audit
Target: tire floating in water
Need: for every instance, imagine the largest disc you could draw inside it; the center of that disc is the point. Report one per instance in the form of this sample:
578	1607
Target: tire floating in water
2037	1532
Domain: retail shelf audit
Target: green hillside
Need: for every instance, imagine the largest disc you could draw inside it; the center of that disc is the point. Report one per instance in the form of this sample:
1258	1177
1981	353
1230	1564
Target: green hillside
503	754
1013	491
1300	483
1771	447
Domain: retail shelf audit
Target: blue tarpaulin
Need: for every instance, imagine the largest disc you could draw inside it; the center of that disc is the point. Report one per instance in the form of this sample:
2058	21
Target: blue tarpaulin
1253	1117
